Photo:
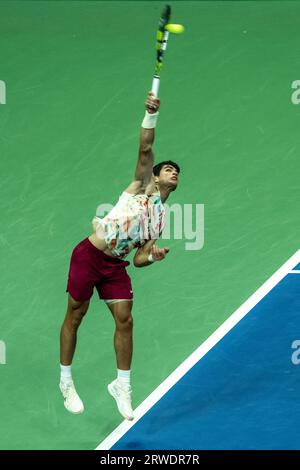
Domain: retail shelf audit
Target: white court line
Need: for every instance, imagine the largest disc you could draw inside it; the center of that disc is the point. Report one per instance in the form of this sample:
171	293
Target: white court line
203	349
295	271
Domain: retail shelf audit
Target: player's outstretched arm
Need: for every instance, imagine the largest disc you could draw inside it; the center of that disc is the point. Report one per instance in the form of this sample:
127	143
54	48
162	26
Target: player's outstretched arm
143	171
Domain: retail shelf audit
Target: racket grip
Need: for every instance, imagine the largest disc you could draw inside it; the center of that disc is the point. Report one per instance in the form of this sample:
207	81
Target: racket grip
155	84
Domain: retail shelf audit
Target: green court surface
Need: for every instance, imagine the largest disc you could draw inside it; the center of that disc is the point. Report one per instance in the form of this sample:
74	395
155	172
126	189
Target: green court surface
77	74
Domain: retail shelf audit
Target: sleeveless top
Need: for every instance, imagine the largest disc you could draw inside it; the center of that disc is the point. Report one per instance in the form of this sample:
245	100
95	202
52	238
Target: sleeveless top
134	220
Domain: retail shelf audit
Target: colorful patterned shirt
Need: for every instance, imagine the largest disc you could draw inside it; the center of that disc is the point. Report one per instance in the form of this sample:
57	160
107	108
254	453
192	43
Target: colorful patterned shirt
132	221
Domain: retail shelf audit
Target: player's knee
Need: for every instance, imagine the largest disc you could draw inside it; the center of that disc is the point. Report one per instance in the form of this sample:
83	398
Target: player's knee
125	323
77	317
77	311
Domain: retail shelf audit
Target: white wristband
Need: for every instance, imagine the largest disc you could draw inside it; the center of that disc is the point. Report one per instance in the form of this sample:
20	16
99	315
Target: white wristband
149	121
150	258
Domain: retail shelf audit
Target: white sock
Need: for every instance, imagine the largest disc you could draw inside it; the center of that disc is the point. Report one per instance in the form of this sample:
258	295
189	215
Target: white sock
65	374
124	377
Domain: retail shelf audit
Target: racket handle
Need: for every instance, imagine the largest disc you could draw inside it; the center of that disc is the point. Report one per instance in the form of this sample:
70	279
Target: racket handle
156	78
155	84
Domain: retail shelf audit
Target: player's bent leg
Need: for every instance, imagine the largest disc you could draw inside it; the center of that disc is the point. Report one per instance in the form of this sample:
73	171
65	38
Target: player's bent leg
68	337
120	390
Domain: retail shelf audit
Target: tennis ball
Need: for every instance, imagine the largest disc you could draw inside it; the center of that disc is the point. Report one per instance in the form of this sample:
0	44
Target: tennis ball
175	28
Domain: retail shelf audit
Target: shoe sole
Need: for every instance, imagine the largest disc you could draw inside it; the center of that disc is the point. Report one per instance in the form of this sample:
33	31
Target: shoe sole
110	391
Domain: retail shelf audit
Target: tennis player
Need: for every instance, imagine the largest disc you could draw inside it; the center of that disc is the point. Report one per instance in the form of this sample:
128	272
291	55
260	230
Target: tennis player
135	222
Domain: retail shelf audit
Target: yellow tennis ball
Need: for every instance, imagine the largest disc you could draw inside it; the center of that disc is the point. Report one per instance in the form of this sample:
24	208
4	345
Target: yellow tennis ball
175	28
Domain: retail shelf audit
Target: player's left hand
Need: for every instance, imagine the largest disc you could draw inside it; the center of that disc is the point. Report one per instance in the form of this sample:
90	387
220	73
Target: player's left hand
159	253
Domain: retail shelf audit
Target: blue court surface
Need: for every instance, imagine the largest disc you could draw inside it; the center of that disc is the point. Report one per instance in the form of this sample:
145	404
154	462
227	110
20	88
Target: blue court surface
244	393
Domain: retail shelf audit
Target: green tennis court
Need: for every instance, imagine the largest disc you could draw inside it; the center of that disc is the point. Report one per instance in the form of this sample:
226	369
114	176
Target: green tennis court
76	75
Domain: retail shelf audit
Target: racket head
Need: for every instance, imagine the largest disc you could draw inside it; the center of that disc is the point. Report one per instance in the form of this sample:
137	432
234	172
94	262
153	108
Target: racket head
162	37
164	18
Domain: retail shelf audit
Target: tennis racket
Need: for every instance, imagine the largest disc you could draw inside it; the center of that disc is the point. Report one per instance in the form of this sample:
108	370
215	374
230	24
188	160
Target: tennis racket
161	45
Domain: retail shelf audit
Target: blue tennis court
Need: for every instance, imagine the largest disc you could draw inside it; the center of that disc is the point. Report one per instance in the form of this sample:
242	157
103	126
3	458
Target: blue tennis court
243	393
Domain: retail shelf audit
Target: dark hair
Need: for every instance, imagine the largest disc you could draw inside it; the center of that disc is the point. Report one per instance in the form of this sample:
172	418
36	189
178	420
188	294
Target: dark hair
158	167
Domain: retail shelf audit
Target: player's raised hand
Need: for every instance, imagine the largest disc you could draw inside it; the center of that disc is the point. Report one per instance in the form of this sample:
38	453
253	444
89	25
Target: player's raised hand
152	103
159	253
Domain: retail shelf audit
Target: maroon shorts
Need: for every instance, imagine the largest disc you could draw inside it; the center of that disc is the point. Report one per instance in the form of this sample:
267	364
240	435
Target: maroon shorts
90	267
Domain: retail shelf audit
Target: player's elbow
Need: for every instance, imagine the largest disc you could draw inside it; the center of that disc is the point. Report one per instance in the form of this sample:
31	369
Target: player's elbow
137	263
138	260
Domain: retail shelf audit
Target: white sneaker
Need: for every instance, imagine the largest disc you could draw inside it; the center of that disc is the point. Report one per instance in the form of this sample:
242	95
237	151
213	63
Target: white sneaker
122	395
72	402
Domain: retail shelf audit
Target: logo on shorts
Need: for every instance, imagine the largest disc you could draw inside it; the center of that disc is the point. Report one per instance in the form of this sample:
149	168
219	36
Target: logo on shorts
130	291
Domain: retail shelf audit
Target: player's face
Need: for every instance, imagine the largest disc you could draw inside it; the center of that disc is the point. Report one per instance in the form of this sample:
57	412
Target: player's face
169	175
